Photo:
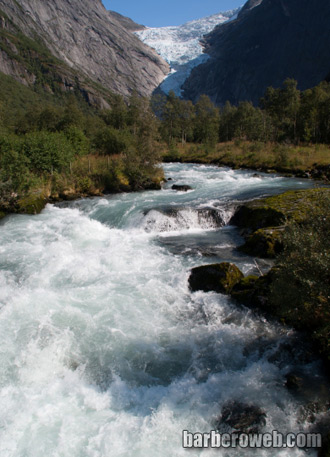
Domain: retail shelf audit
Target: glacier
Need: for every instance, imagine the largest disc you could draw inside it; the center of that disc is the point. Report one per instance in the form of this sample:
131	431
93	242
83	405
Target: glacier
181	46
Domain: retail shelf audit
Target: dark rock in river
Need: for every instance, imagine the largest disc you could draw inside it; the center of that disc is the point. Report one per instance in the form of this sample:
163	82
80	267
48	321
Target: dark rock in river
218	277
241	417
181	187
264	243
293	382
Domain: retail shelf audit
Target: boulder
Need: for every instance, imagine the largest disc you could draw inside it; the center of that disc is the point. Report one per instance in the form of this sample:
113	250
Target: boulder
181	187
293	382
255	291
241	418
264	243
218	277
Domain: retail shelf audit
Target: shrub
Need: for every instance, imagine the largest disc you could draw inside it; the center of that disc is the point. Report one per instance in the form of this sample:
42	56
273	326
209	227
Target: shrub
301	290
47	151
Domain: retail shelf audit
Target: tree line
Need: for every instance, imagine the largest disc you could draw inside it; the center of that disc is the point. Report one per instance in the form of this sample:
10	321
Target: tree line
43	141
284	114
46	138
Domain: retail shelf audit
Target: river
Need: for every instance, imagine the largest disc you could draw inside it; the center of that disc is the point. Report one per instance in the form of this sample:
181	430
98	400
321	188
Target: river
104	350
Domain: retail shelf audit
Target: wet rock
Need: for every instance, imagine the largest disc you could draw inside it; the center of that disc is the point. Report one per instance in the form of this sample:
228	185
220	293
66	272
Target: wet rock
255	216
311	411
293	382
33	203
218	277
275	211
264	243
292	350
181	187
245	289
241	418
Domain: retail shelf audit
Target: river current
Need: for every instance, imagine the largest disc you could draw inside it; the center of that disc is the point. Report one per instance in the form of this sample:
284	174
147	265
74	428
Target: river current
104	351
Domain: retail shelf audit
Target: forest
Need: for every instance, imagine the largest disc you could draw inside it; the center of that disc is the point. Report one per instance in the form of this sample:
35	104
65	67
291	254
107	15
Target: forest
68	145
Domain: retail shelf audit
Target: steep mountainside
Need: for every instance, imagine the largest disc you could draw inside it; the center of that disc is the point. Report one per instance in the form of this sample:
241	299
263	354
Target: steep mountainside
180	46
86	42
271	40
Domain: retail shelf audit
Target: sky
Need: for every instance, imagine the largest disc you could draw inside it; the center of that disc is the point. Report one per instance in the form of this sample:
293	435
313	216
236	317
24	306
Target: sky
169	12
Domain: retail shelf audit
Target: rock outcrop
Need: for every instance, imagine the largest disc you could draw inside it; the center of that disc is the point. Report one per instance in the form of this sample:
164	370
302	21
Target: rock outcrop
218	277
241	418
100	45
270	41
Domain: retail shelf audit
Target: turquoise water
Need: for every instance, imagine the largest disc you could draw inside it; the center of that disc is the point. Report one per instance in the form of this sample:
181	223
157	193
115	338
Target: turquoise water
105	352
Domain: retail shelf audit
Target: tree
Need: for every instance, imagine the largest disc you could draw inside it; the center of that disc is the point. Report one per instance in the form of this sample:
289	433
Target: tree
170	118
110	141
248	122
116	116
227	122
206	124
142	156
47	151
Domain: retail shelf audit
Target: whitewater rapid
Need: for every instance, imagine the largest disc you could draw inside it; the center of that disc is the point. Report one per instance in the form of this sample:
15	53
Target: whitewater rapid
104	352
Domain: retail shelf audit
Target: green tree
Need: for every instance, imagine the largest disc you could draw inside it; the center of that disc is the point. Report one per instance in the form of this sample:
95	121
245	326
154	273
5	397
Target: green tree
170	127
248	122
78	140
110	141
206	124
47	152
142	156
227	122
116	117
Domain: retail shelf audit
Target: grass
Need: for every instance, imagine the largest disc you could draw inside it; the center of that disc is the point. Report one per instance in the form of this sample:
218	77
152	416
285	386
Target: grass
257	155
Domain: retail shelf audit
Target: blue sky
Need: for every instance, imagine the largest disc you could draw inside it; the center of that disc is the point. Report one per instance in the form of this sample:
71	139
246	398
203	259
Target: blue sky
169	12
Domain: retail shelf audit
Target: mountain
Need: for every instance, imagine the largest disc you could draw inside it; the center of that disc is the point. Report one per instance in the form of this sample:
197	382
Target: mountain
180	46
270	40
80	44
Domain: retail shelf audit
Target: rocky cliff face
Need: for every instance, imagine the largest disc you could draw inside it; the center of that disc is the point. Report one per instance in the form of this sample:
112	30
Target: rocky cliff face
98	44
271	40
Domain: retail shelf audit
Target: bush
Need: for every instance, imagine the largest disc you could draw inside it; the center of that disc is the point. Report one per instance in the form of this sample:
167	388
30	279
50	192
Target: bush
78	140
109	141
14	173
300	291
47	152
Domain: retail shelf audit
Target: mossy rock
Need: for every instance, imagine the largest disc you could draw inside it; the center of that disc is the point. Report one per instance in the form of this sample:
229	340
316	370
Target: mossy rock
218	277
253	217
2	215
264	243
32	204
275	211
245	289
254	291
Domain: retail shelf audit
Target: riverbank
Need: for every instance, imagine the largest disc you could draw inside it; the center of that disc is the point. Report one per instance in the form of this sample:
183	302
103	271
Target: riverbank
88	176
308	161
293	228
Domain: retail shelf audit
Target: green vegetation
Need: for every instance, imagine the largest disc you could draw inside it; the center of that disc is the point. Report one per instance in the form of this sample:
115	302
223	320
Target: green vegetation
288	132
284	115
50	151
300	289
52	140
297	289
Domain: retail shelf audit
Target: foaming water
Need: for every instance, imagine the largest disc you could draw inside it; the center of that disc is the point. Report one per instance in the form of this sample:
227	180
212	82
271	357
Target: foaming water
105	352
